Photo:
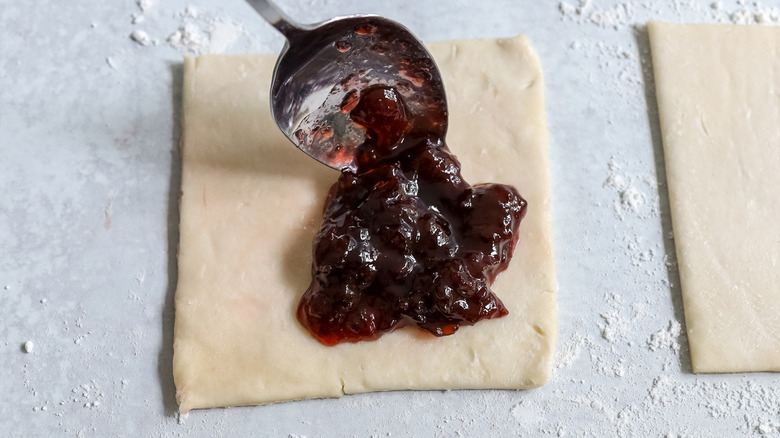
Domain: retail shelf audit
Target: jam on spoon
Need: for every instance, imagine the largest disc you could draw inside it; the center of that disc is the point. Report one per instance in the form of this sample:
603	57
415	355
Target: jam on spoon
404	239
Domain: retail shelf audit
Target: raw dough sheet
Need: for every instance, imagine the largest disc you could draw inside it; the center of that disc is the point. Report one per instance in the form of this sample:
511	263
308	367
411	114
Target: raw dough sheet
718	89
251	204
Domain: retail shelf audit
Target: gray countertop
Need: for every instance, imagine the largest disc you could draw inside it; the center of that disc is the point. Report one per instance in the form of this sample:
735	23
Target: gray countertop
90	173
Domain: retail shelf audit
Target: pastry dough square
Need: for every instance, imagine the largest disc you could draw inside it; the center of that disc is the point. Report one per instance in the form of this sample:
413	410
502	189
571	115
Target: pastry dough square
251	204
718	89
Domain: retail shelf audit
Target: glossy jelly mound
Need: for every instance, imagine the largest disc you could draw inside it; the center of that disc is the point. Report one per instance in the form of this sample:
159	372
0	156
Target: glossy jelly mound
404	239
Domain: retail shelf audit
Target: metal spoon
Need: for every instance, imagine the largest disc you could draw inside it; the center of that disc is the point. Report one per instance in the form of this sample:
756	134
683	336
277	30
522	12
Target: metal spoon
323	68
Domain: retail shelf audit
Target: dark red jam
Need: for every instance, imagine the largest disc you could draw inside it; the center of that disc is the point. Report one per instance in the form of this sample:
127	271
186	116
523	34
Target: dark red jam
404	239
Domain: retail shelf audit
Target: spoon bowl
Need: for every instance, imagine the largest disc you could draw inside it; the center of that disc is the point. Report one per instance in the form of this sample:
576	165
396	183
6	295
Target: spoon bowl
323	68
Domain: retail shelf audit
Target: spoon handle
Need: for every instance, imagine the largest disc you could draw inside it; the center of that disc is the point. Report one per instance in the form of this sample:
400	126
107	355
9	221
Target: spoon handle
276	17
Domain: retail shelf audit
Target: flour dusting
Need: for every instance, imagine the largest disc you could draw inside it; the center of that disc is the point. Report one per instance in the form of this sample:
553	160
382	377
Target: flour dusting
665	338
198	32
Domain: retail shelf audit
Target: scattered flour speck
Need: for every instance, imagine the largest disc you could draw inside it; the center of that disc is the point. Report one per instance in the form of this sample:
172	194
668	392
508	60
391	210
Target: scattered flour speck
145	5
188	38
141	37
632	200
665	338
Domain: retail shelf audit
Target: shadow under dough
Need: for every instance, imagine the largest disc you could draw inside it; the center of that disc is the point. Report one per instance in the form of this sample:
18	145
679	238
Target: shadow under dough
165	356
673	274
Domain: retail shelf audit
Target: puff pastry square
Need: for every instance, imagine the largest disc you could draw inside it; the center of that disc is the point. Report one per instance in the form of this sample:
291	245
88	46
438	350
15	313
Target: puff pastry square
251	204
718	89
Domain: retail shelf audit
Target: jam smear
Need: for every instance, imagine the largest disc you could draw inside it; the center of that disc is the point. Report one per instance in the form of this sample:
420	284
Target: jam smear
404	239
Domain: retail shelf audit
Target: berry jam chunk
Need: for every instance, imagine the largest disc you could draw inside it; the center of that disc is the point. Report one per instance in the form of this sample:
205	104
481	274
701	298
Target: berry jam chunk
404	239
